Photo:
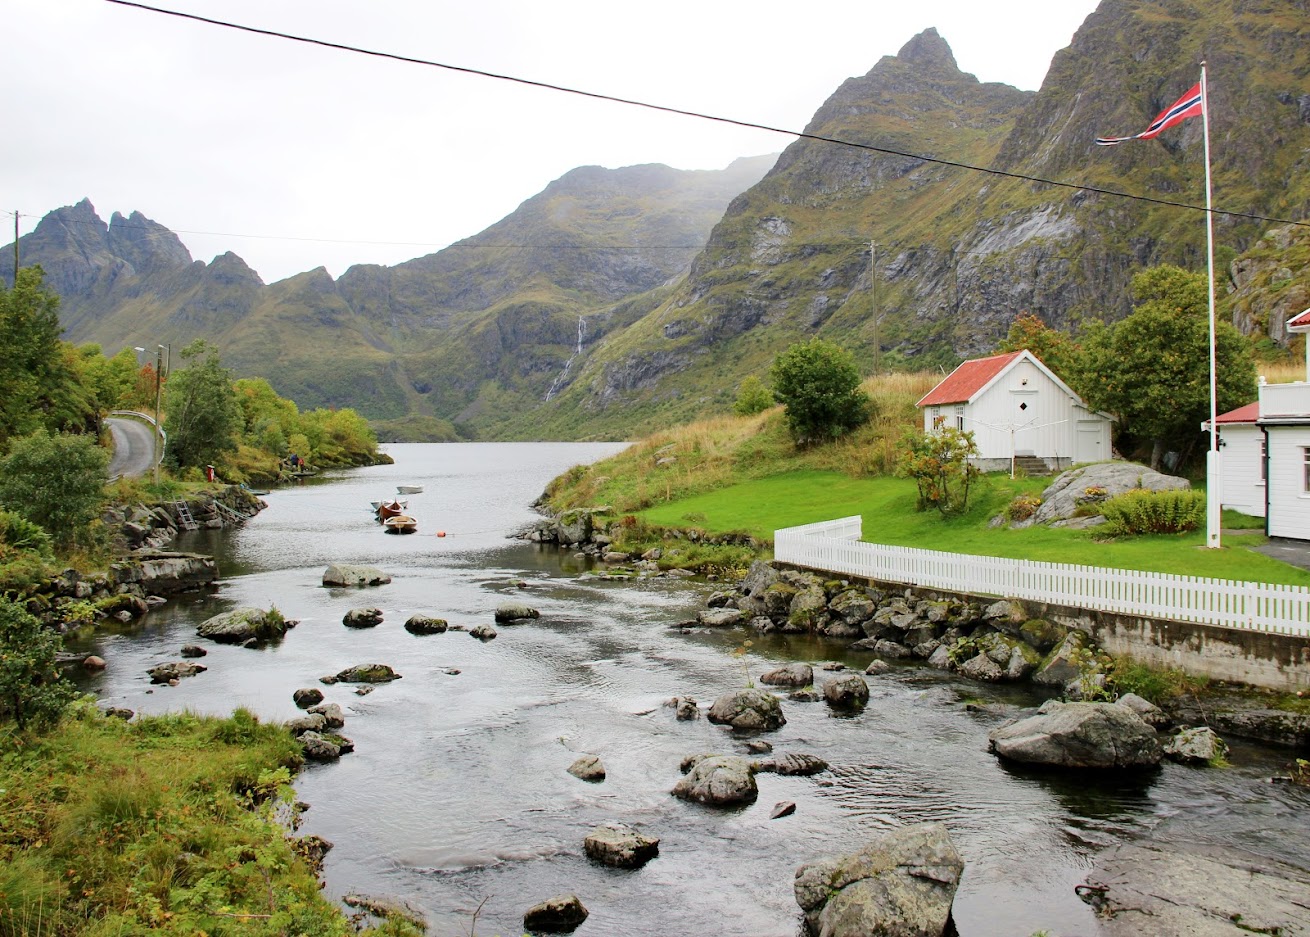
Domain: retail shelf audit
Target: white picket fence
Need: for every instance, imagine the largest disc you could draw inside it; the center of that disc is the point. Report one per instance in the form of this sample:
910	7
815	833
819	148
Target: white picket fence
835	546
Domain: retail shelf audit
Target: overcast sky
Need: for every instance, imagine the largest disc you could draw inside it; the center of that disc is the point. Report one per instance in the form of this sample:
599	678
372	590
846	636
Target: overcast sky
295	156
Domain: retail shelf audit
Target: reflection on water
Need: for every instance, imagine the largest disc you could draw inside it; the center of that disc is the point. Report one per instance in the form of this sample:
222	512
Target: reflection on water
458	792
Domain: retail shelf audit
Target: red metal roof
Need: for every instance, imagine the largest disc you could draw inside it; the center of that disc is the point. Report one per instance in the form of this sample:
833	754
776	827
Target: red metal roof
1247	414
966	380
1300	322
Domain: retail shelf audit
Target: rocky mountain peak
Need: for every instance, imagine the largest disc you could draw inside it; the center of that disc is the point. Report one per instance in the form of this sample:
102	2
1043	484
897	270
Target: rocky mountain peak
929	51
145	244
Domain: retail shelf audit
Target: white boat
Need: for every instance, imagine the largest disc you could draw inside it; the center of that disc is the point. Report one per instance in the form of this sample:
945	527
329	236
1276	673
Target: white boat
400	524
409	489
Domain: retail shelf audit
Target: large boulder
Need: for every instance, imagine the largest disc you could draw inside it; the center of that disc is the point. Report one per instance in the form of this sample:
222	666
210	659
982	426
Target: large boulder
1069	491
244	624
748	709
1197	746
720	617
1079	735
620	846
720	781
343	575
588	768
171	673
902	883
425	624
559	915
165	573
848	691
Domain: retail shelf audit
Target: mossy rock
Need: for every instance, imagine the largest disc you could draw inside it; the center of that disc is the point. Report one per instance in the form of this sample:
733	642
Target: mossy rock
1042	634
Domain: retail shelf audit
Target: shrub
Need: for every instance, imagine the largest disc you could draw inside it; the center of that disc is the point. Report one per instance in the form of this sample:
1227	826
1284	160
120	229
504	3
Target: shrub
1154	512
752	397
819	384
18	532
32	690
1022	508
55	481
939	462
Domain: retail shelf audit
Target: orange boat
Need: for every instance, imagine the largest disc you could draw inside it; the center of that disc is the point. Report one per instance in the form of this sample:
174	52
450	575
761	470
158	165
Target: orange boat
392	508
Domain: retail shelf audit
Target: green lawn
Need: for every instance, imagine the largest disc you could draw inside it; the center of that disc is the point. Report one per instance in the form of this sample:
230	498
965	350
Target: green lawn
887	507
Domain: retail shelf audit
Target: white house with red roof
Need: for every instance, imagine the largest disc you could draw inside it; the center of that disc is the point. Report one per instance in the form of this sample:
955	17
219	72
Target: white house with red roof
1015	406
1265	464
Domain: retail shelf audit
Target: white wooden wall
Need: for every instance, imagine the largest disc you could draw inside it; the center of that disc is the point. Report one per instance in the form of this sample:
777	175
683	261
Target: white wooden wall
1243	487
1289	501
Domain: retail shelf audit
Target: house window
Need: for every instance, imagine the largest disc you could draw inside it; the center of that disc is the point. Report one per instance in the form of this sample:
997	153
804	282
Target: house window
959	418
1264	460
1305	470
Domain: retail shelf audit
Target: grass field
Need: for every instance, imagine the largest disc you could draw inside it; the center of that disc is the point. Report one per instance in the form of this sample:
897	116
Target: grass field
887	506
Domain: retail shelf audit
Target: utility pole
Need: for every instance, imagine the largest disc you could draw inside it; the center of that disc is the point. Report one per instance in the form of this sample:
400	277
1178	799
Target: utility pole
15	248
873	282
159	361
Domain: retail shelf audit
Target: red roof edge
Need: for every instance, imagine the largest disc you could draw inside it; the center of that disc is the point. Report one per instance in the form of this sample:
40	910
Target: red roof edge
966	380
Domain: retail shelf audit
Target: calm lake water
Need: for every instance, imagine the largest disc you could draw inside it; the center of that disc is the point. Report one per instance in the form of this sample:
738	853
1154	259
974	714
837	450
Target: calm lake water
457	793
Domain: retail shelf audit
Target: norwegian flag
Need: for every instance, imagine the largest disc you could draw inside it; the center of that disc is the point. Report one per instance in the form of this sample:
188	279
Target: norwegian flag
1189	105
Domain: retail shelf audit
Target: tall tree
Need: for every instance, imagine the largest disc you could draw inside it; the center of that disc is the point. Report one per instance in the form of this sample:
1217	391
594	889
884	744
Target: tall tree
1054	349
1152	369
29	335
203	415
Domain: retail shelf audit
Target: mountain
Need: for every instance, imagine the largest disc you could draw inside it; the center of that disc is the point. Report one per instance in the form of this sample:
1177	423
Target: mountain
421	338
961	252
618	301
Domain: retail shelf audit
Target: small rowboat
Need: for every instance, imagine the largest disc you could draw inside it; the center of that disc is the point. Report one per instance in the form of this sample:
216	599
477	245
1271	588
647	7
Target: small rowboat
400	524
409	489
385	509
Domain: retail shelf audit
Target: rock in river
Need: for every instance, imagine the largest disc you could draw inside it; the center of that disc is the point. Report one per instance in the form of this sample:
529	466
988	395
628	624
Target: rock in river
1079	735
902	882
558	915
588	768
748	709
362	618
423	624
343	575
846	692
166	673
720	781
621	846
514	611
367	673
242	625
790	675
306	697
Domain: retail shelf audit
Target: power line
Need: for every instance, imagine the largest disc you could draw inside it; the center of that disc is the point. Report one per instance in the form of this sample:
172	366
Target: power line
750	125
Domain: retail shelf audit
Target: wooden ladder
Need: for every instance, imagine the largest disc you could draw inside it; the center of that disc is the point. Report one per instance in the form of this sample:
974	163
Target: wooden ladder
184	516
231	516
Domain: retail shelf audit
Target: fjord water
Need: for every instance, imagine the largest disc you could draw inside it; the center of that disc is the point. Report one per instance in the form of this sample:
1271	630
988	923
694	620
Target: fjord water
457	797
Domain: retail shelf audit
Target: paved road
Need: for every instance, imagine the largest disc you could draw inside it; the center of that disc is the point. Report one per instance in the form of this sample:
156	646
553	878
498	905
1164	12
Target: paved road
134	447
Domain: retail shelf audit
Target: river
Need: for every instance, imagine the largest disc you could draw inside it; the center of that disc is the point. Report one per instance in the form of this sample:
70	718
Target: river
457	796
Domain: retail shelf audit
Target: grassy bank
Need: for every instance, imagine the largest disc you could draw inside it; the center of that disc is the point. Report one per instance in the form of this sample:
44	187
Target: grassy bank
744	475
171	824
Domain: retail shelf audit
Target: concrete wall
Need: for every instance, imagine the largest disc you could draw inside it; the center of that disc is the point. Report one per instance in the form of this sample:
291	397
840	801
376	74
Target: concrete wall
1272	661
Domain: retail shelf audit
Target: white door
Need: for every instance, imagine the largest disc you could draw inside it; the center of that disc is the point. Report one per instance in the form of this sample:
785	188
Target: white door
1089	442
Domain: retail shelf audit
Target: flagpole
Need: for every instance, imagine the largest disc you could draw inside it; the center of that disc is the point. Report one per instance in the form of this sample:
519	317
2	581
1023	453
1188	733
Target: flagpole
1214	478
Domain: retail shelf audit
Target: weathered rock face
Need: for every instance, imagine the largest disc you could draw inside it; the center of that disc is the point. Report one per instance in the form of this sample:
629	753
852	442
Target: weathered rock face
242	625
166	573
1070	490
748	710
720	781
1079	735
342	575
902	883
793	763
620	846
1198	890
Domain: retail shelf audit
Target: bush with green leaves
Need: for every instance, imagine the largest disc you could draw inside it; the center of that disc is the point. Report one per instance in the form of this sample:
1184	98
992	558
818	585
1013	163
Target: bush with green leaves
56	482
819	384
940	464
32	690
752	397
19	533
1154	512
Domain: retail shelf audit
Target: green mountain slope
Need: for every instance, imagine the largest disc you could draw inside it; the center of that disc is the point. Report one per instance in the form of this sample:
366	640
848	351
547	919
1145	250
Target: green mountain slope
960	253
